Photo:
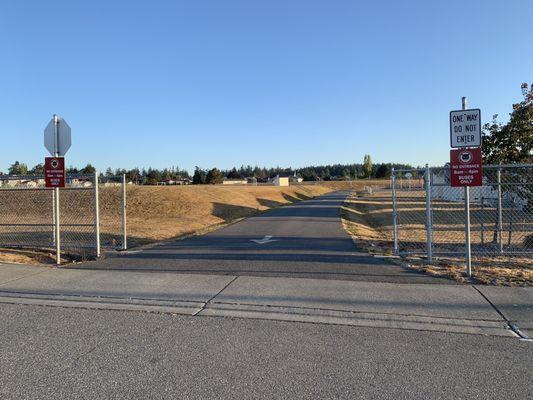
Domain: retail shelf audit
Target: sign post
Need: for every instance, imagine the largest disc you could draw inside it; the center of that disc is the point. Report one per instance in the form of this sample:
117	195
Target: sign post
57	140
465	162
467	217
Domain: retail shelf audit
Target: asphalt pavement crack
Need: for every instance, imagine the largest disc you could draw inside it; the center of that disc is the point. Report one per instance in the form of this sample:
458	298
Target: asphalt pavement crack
24	277
204	305
509	323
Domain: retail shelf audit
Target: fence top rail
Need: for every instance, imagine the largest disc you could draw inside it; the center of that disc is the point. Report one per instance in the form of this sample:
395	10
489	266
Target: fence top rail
490	166
410	170
38	177
497	166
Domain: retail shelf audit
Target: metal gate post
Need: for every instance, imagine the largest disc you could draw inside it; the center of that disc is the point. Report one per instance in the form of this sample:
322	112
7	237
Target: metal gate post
124	235
96	214
57	228
394	212
500	212
429	246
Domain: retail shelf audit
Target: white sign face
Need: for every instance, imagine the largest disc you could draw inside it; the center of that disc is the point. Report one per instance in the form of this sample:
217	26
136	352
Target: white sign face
63	138
465	128
408	175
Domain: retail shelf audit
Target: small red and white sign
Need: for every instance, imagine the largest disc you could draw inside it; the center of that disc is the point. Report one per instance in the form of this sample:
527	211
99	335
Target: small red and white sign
54	172
466	168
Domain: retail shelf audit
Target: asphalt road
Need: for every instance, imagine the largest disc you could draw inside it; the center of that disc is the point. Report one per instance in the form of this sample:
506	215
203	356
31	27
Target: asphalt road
60	353
234	341
307	241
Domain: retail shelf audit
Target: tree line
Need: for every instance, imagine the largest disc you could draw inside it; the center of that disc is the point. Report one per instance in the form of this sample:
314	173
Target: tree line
152	176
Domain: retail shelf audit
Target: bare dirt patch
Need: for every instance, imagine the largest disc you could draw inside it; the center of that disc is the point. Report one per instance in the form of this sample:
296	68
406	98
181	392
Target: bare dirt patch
16	256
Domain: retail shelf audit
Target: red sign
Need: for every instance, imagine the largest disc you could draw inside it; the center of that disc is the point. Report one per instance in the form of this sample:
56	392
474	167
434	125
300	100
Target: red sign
54	172
466	168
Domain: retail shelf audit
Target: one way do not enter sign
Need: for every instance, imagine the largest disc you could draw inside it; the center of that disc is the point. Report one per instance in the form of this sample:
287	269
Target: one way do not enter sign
466	168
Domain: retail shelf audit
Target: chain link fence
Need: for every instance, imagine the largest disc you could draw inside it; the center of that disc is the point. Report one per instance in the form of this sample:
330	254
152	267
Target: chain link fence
429	215
91	216
112	196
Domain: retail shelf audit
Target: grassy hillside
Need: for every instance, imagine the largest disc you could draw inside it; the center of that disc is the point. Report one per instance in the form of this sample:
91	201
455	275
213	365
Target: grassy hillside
163	212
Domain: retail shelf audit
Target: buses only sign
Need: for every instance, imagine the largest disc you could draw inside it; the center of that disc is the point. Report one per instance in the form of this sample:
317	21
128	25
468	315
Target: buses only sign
466	168
465	128
54	172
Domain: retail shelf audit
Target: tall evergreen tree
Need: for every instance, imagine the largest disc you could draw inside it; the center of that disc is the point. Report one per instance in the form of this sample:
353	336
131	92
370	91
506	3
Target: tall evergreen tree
383	171
18	168
88	169
214	176
37	170
367	166
234	174
199	176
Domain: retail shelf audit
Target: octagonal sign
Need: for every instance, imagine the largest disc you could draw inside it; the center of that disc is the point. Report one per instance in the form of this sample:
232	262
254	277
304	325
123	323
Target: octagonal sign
63	137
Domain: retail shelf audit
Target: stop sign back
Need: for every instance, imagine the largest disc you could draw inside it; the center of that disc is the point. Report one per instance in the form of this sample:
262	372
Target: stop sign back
465	167
54	172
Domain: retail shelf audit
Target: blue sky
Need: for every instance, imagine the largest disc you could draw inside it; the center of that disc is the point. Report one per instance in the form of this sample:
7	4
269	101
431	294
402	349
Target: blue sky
277	82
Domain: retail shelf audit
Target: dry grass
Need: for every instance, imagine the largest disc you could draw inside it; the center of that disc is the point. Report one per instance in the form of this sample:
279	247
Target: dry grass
368	218
16	256
163	212
158	213
155	213
488	272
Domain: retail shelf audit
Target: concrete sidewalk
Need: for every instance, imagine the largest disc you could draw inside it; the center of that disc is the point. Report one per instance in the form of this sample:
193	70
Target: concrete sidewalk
495	311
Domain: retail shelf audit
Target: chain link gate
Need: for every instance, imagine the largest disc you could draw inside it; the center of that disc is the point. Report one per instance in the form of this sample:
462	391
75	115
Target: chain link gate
429	214
92	214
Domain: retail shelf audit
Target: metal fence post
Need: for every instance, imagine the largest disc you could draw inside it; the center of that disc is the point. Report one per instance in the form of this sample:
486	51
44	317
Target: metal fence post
96	214
429	246
394	211
124	235
500	212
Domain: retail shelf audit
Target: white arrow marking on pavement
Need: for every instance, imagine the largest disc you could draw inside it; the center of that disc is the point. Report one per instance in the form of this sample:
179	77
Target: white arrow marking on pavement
266	239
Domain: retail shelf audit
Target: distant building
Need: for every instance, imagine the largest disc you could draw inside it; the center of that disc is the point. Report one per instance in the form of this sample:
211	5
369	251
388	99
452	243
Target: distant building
80	182
22	183
171	182
280	180
227	181
295	179
486	194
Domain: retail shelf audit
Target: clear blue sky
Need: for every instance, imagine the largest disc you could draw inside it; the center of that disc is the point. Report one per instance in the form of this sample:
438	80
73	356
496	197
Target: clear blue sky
273	82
